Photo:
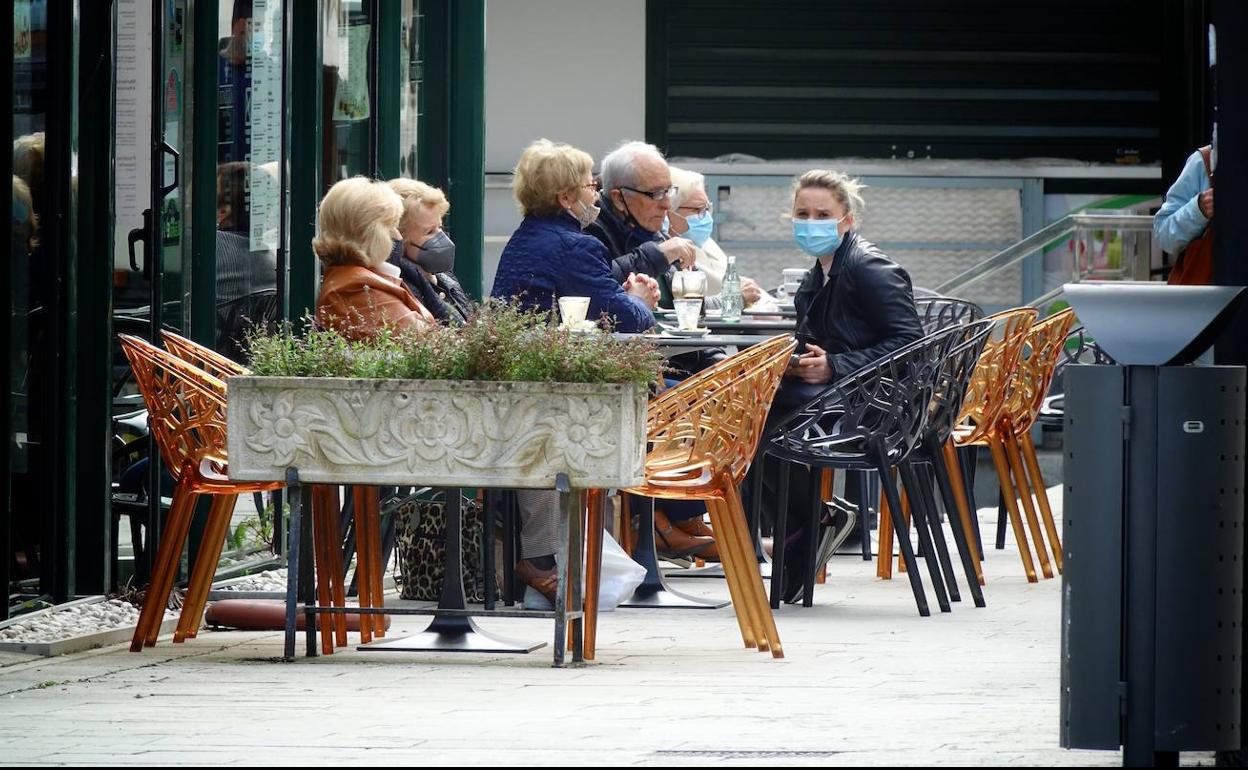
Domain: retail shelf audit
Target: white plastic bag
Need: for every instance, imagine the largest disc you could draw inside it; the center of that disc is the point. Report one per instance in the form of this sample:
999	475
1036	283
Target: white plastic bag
620	575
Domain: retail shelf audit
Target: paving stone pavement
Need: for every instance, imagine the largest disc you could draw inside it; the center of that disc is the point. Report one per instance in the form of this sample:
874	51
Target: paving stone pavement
865	681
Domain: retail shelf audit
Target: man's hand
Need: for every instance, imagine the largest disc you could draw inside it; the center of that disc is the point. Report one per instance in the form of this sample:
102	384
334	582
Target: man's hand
813	366
644	288
751	292
679	250
1205	202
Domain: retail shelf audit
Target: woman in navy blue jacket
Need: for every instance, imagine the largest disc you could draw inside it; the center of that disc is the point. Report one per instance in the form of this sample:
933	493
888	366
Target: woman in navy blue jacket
549	256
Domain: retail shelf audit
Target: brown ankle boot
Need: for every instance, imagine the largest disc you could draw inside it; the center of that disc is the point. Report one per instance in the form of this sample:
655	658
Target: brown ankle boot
673	541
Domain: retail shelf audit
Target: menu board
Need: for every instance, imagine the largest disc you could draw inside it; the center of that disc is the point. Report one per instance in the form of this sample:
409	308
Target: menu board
265	121
351	94
133	114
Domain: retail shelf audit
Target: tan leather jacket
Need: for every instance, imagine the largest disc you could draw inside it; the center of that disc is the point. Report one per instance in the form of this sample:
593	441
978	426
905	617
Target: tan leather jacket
358	302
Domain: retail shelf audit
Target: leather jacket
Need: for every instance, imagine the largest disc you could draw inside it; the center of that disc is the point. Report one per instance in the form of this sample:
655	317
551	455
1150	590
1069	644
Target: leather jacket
863	312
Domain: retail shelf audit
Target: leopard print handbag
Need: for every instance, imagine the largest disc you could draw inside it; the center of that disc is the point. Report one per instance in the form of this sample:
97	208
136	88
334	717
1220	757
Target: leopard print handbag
421	545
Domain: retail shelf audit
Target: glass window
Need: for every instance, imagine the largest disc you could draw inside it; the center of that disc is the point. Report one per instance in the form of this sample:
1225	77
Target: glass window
249	173
409	95
348	89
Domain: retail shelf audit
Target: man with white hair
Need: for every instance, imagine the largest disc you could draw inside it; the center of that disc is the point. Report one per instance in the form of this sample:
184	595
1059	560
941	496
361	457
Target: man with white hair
636	195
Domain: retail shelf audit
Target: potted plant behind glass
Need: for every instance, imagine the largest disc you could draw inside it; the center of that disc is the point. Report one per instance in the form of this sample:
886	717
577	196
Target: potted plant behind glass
506	400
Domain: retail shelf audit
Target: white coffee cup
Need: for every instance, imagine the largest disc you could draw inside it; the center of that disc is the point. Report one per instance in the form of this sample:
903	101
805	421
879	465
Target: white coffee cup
573	310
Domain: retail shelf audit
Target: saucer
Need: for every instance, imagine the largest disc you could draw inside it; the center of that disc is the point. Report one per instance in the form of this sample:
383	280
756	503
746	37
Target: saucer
701	331
583	326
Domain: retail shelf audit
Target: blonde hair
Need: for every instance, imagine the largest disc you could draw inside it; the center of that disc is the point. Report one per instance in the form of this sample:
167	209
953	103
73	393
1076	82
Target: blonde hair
846	189
417	194
355	223
546	169
686	183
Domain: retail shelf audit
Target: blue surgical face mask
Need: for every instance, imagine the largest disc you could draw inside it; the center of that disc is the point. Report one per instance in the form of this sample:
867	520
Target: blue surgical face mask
700	227
817	237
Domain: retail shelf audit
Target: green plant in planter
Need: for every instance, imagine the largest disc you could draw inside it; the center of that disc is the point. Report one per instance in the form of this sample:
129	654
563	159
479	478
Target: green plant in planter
499	342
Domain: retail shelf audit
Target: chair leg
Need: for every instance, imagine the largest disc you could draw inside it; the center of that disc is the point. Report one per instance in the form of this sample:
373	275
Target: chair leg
338	583
595	502
811	541
827	482
957	523
164	567
894	507
920	515
732	573
377	571
864	511
210	547
884	562
905	517
363	562
322	545
927	482
779	533
1016	519
752	579
1042	497
968	460
951	472
1024	496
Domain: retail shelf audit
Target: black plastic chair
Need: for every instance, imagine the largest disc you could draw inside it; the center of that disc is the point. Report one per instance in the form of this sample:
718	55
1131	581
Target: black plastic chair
936	313
869	420
927	459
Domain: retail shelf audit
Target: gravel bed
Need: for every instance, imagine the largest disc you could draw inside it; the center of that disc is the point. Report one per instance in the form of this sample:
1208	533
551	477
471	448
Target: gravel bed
73	622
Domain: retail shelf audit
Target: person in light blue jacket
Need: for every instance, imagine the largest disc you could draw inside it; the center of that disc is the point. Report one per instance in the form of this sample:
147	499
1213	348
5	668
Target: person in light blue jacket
1188	207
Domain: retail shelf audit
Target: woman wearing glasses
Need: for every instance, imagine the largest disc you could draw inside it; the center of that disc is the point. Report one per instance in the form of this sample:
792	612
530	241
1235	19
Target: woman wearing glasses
549	256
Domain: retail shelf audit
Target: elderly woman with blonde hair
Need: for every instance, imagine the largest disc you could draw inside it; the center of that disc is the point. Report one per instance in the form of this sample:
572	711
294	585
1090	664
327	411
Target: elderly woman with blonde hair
549	256
426	254
360	293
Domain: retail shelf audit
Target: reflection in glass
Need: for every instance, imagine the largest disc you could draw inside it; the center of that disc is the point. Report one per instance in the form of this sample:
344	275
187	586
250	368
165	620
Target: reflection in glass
348	94
249	80
410	92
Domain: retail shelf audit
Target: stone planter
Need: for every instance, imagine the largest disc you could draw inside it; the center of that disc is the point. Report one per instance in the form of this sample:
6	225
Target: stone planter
436	433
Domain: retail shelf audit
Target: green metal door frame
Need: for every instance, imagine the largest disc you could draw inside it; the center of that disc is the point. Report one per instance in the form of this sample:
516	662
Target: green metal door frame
466	185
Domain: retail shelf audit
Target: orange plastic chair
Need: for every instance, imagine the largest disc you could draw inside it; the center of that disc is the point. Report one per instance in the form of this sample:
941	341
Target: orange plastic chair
186	411
327	556
1016	372
703	435
1030	385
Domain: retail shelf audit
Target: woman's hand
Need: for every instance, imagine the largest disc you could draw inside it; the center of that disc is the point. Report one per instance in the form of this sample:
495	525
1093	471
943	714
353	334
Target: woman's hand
812	367
644	288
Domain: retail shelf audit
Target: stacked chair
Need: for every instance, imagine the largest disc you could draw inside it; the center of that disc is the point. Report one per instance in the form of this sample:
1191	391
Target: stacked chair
703	434
1004	400
869	420
186	407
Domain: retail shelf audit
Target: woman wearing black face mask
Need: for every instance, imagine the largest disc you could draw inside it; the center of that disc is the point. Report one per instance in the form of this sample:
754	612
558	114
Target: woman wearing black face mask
425	255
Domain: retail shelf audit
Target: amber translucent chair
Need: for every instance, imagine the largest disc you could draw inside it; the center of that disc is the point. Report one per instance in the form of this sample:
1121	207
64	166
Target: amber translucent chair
703	435
987	420
326	539
186	411
1042	352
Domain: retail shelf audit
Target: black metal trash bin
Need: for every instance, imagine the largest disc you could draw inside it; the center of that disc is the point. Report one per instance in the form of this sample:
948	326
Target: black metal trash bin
1152	531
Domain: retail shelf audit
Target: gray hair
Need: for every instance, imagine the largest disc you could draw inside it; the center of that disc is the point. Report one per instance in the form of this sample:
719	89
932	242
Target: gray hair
619	167
687	183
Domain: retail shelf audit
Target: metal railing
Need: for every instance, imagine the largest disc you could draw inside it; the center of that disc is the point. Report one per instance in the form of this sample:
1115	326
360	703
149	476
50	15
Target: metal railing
1134	260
